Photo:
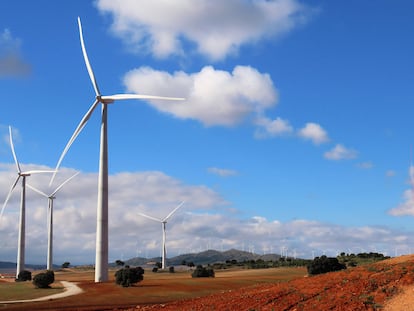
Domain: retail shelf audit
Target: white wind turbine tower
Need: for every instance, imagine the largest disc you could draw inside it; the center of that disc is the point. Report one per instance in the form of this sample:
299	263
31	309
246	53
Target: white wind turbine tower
163	223
50	199
101	258
22	222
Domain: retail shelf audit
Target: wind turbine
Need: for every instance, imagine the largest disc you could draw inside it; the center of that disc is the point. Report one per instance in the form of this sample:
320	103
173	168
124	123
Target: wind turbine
22	222
50	199
101	257
163	223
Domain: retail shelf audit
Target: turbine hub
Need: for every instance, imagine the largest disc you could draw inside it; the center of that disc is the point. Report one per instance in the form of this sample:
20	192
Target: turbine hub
104	100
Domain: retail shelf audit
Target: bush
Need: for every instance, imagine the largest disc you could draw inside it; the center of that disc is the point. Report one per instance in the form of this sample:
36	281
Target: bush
155	269
202	272
171	269
129	276
324	264
24	276
65	265
43	280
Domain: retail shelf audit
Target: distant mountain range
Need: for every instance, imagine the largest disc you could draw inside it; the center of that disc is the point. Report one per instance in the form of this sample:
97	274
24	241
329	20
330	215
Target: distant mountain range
13	265
206	257
202	258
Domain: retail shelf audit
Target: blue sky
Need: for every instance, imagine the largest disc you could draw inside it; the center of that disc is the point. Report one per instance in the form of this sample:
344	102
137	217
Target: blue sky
295	132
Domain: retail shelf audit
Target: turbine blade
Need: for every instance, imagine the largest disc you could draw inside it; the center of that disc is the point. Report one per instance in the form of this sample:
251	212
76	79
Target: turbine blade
174	210
37	190
138	96
75	134
85	57
12	149
150	217
62	184
9	195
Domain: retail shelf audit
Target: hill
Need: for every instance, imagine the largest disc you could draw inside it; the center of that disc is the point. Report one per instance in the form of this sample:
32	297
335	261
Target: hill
13	265
385	285
205	258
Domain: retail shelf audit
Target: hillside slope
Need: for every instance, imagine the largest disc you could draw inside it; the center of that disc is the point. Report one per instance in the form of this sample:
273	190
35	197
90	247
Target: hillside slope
368	287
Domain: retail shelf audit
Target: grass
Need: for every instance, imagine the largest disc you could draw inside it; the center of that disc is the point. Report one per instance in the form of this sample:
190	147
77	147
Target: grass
25	290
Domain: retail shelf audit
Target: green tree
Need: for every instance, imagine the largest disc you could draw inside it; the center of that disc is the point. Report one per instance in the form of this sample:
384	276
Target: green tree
65	265
43	280
129	276
23	276
324	264
203	272
119	263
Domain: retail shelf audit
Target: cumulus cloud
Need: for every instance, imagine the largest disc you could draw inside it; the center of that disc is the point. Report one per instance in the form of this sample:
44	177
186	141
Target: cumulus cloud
11	61
215	28
202	223
151	192
314	132
213	97
340	152
407	206
222	171
271	128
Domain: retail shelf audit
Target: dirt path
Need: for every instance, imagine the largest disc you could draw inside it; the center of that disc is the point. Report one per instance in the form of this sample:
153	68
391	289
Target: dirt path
70	289
403	301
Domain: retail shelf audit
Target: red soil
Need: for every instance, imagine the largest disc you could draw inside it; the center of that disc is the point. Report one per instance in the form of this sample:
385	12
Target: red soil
361	288
368	287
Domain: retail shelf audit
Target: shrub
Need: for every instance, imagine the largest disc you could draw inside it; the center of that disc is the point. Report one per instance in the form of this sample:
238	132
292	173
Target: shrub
43	280
65	265
129	276
155	269
171	269
203	272
24	276
324	264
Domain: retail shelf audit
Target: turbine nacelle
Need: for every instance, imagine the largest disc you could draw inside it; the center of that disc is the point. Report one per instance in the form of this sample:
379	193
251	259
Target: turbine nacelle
104	99
23	174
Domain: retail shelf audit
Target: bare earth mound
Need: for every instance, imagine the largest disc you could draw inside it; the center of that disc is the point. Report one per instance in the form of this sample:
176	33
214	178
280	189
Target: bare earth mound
361	288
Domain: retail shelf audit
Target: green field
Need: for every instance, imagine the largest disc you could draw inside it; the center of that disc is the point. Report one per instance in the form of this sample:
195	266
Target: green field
25	290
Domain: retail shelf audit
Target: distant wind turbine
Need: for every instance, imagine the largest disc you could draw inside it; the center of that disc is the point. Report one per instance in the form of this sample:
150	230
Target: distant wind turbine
50	199
22	223
101	257
163	223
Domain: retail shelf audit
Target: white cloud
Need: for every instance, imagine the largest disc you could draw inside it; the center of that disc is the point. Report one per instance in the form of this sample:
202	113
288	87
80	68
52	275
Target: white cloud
201	223
340	152
11	62
216	28
407	207
314	132
222	171
271	128
213	97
